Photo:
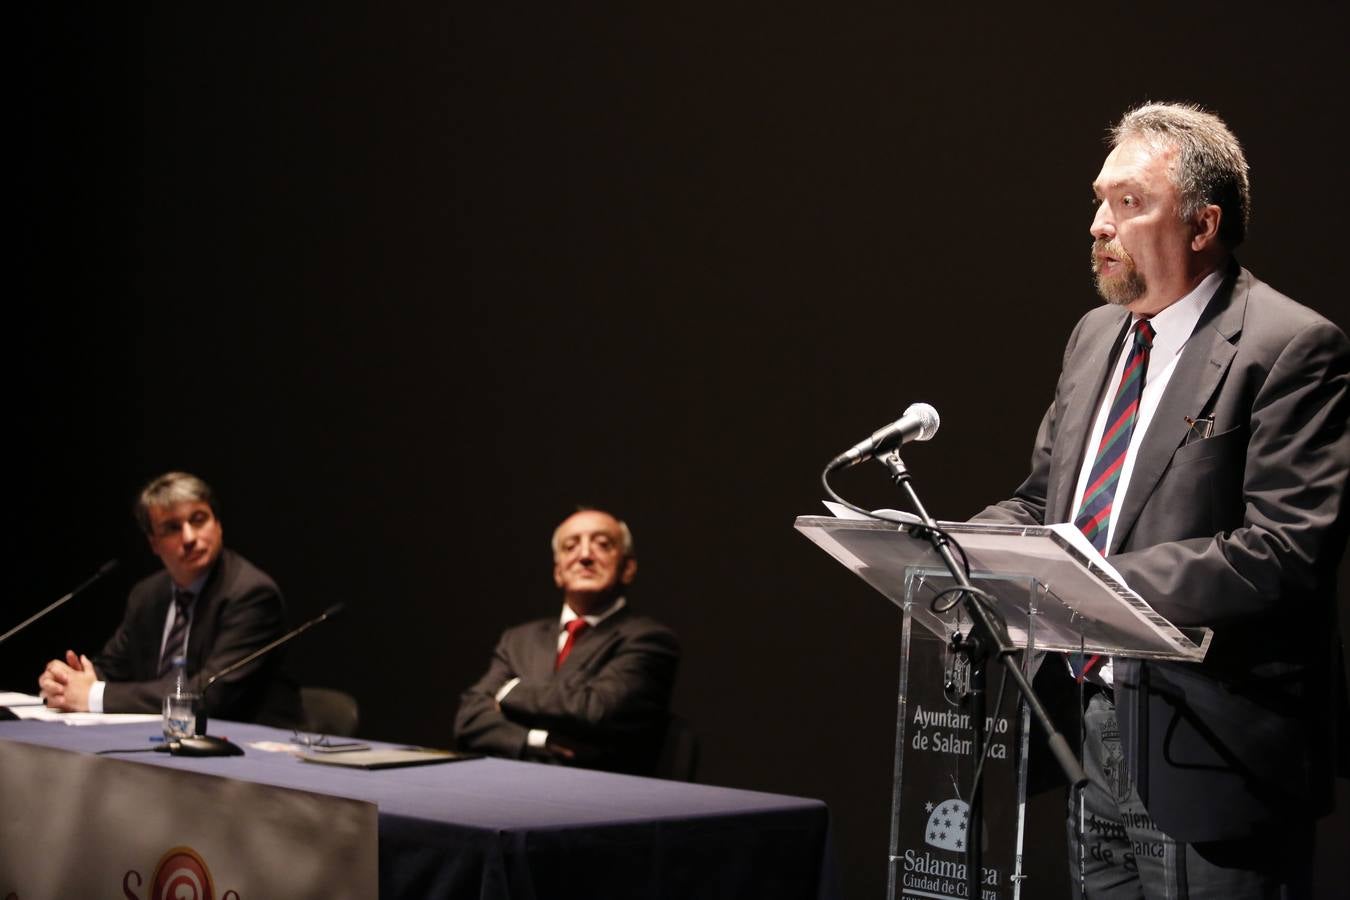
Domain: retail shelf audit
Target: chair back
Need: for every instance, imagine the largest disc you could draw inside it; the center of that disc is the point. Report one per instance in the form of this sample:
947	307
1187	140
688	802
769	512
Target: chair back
330	711
679	751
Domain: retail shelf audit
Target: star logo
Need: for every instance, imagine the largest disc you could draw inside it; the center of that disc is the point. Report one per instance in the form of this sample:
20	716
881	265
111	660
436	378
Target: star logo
948	823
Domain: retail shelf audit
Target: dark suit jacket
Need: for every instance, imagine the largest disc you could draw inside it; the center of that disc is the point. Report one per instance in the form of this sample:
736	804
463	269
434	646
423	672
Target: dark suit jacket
240	609
1241	532
612	694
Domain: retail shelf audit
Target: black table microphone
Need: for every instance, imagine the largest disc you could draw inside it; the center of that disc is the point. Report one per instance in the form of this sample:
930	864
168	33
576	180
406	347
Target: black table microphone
202	744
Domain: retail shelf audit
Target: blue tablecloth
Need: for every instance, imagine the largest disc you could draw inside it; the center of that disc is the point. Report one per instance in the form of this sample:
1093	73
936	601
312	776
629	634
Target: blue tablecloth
492	828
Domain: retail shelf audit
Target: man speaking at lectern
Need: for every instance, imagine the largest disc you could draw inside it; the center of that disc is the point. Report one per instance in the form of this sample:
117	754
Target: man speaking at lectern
1198	436
209	605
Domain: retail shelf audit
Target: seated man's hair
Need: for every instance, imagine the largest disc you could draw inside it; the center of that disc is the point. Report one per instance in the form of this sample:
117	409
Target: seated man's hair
625	534
171	488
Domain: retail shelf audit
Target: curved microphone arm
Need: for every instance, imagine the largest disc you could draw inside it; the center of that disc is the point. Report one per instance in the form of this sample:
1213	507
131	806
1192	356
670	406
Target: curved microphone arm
268	648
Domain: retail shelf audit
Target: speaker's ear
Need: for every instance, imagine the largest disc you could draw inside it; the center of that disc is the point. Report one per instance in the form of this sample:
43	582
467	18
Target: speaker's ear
1206	226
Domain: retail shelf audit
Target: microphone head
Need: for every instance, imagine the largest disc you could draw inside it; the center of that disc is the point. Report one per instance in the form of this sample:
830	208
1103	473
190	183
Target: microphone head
928	420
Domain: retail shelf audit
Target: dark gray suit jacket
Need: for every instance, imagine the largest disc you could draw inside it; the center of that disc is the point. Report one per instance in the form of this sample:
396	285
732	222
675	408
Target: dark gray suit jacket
240	609
1241	532
612	694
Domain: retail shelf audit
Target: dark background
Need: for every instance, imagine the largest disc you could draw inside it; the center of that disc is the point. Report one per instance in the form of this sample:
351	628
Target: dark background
406	285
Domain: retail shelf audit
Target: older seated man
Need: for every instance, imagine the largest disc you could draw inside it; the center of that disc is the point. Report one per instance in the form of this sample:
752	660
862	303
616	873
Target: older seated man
588	687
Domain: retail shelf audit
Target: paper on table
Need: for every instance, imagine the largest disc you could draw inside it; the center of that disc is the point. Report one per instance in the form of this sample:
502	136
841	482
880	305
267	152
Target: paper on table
277	747
14	698
43	714
389	758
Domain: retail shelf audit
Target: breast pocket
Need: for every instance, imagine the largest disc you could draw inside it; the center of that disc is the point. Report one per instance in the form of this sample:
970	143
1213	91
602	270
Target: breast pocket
1206	476
1232	442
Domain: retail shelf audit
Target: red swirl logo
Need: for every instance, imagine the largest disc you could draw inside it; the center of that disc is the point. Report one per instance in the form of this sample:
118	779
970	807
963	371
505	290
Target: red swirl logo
182	875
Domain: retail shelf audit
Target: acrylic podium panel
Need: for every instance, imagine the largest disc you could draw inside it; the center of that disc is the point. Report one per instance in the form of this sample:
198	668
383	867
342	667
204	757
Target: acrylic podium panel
1086	607
1053	596
934	769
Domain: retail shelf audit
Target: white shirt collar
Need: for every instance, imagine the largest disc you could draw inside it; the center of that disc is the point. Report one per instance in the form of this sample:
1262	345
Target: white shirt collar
568	614
1173	325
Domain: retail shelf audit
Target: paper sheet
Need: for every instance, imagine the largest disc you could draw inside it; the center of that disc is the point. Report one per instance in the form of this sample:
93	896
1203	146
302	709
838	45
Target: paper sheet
43	714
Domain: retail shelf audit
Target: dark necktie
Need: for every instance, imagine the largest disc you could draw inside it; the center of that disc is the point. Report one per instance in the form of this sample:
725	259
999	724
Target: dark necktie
176	645
1094	515
574	627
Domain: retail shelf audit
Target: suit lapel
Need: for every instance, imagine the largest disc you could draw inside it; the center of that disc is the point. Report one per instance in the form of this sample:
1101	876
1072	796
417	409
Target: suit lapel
159	614
1199	371
1087	382
202	633
544	651
159	610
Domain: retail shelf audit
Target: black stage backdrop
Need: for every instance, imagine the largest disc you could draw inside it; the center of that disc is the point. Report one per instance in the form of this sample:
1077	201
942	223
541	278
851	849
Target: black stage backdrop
406	285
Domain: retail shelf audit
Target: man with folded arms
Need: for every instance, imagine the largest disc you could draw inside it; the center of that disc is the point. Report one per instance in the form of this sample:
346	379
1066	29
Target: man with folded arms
589	687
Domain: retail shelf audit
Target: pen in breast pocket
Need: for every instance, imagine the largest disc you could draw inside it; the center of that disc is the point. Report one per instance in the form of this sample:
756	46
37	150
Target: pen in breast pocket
1203	427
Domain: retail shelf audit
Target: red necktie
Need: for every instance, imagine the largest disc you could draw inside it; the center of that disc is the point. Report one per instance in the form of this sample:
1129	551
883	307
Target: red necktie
574	628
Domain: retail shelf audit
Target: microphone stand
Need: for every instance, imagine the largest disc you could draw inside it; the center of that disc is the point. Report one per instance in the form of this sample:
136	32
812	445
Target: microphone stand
987	634
202	744
103	570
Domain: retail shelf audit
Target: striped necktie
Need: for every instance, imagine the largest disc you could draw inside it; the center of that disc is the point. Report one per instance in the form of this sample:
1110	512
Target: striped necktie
1094	515
176	644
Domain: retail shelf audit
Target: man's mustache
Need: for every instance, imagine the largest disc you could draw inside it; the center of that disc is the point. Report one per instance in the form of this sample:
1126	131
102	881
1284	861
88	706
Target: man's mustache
1103	248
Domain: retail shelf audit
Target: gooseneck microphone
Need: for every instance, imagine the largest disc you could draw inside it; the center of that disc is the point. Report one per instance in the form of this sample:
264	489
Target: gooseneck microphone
919	423
268	648
200	744
103	570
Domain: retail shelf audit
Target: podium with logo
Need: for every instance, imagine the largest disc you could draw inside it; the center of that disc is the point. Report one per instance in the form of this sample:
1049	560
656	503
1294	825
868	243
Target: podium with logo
1054	593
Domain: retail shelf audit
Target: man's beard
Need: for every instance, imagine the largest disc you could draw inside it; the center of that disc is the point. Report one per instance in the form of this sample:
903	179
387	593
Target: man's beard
1127	285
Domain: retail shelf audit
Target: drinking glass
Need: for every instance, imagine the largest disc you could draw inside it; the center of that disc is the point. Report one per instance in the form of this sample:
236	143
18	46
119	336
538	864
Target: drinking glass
180	716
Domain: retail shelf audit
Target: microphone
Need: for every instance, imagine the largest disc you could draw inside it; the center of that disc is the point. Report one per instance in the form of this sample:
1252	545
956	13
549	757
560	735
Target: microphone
200	744
103	570
919	423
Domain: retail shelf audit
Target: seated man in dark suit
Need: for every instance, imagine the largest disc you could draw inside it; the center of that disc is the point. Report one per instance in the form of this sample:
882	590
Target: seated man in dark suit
590	687
209	606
